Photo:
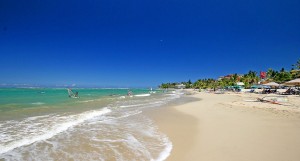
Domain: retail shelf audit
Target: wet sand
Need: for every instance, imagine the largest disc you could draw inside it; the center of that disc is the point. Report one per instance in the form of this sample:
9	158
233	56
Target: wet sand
223	127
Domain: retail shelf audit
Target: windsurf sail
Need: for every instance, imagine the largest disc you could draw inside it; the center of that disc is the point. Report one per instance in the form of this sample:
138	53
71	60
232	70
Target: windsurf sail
72	94
151	90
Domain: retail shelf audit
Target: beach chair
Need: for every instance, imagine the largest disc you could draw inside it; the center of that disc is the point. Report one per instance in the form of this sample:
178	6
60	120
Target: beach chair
280	100
287	92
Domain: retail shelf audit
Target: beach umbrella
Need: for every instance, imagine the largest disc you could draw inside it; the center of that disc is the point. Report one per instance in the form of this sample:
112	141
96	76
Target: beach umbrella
295	82
271	84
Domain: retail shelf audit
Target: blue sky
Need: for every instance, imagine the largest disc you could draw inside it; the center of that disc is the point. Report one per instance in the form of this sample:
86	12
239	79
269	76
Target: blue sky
144	42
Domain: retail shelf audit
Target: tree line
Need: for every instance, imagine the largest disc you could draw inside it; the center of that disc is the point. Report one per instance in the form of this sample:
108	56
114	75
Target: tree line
248	79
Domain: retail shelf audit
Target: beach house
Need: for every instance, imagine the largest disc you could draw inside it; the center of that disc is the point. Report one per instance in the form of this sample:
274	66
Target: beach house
180	86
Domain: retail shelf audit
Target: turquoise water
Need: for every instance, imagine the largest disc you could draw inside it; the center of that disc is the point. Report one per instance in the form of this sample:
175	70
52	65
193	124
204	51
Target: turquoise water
23	98
102	124
26	102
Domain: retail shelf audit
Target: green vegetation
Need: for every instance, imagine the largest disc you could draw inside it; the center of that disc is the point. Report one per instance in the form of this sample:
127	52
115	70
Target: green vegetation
248	79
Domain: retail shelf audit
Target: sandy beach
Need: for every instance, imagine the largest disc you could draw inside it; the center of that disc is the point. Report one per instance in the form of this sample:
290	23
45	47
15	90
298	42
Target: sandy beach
227	127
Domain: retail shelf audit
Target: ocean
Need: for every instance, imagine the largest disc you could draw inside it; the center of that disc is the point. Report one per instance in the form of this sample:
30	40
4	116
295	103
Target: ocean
102	124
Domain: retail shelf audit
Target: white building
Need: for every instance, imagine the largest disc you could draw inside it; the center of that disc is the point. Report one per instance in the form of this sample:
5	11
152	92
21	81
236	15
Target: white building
179	86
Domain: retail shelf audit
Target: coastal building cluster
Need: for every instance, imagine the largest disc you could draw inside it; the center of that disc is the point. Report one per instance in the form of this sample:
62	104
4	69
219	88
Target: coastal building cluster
248	80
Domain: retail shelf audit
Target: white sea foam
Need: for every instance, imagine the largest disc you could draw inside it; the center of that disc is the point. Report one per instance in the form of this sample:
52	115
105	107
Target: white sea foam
87	101
142	95
139	105
122	134
167	151
108	119
123	106
36	117
38	103
141	139
139	148
66	122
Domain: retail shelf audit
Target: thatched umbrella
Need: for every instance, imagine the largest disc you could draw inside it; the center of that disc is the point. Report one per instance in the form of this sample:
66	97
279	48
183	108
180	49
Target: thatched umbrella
295	82
271	84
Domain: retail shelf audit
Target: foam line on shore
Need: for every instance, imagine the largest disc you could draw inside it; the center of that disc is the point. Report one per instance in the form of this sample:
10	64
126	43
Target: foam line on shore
56	129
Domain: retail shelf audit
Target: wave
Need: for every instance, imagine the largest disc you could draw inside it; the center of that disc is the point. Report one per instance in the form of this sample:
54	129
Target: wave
136	137
167	151
145	104
87	101
142	95
37	103
51	136
47	133
124	106
36	117
107	119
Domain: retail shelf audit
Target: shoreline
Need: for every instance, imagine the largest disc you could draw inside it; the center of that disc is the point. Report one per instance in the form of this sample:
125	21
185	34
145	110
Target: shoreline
162	117
223	127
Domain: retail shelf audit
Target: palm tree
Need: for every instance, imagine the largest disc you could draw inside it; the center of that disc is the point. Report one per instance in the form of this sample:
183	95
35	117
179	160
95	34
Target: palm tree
297	65
296	72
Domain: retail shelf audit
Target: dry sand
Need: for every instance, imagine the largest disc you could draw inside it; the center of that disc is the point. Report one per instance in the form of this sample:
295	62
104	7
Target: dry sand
224	127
